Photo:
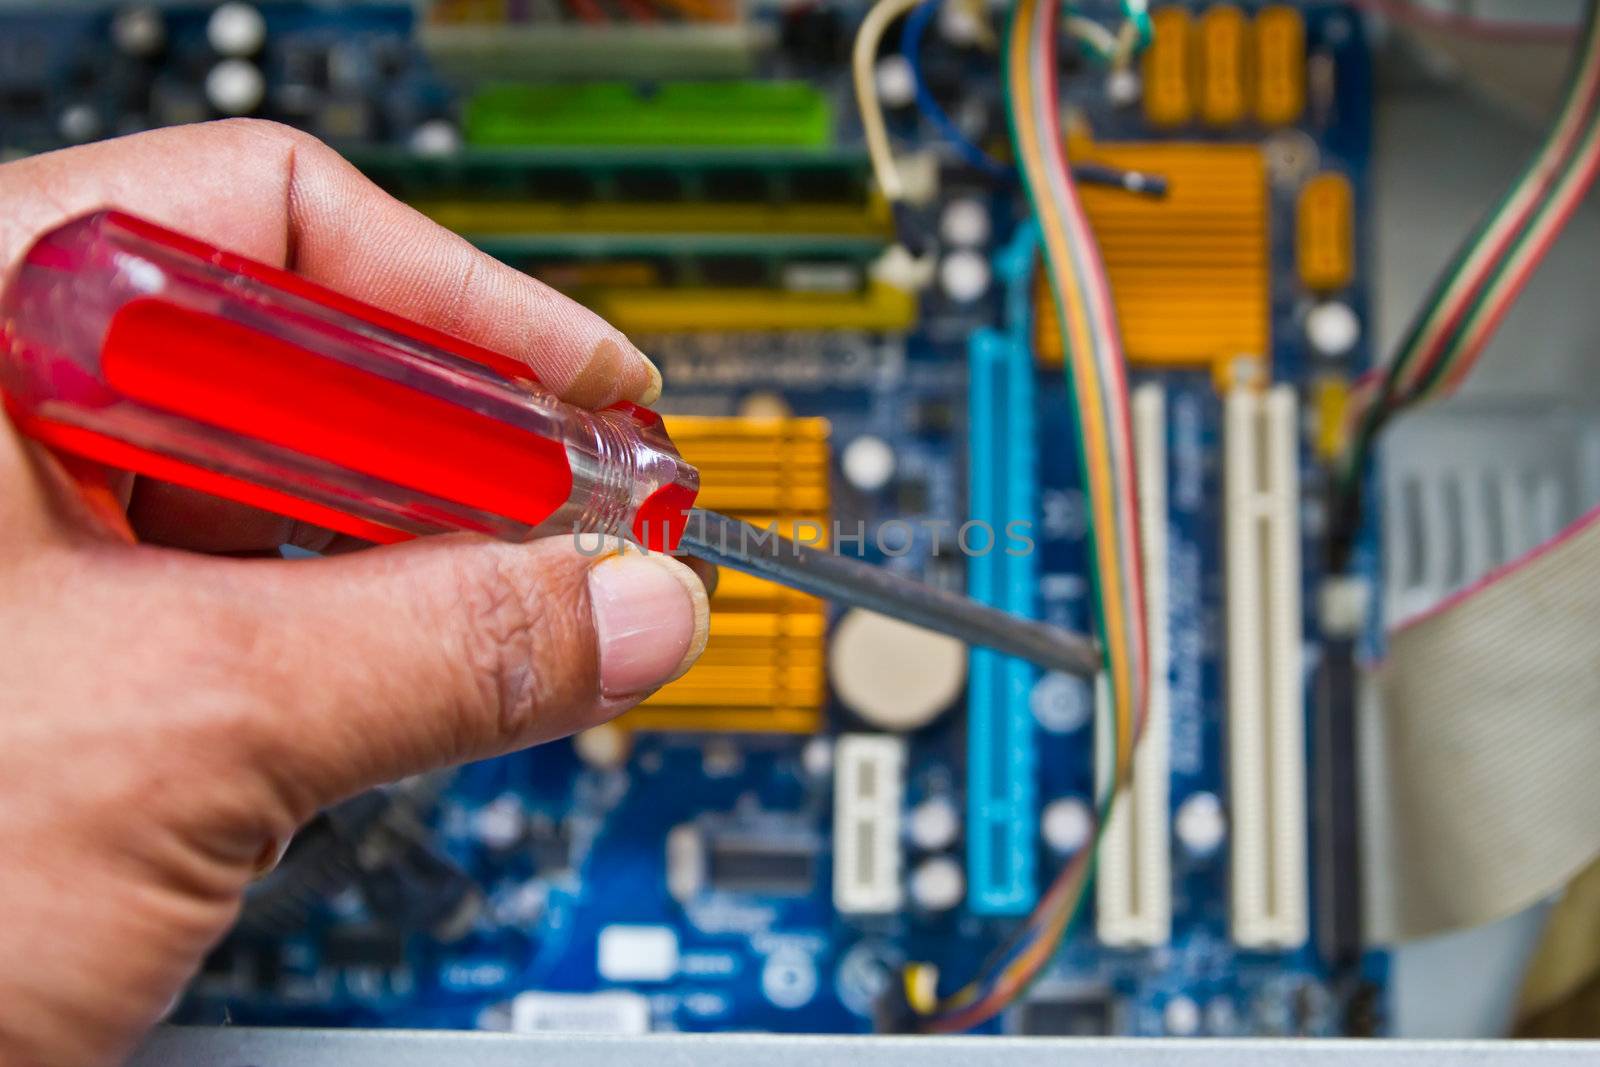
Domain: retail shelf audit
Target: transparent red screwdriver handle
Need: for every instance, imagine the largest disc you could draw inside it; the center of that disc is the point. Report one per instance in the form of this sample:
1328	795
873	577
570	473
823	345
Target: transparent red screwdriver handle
129	344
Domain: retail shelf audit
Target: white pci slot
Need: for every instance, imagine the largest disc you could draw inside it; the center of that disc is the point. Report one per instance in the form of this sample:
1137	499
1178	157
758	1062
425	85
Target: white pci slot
1133	877
1266	712
868	793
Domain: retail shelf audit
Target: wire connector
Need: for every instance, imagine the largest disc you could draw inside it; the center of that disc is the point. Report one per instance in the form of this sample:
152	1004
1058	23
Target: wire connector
909	266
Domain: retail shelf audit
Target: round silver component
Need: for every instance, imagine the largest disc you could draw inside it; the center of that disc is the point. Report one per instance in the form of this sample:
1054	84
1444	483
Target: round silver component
965	222
868	463
138	31
1332	328
435	138
1067	825
789	979
235	87
1181	1017
934	824
1292	157
78	123
896	676
1200	824
937	884
236	29
897	86
1123	88
1061	703
964	276
958	24
816	758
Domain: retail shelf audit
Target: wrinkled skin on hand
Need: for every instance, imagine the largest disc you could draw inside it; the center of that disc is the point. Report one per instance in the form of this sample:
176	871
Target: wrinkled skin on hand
169	717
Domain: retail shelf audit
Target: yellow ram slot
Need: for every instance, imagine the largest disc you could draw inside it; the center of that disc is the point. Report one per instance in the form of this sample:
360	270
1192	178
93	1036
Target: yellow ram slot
1280	65
732	310
1223	69
763	670
1325	239
1168	88
1190	272
511	217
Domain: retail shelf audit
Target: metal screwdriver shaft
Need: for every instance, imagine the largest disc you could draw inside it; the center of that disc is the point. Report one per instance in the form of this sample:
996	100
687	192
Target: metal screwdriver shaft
738	545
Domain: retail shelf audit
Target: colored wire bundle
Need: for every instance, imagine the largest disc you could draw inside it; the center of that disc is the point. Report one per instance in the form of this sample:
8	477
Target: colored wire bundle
1133	35
1116	48
1098	384
1488	272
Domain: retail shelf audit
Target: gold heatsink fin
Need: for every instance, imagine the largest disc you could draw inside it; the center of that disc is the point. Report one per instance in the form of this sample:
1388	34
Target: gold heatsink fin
1190	272
763	669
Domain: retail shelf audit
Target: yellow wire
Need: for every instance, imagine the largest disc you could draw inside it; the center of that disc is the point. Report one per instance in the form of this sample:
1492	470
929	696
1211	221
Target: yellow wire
1090	391
1100	477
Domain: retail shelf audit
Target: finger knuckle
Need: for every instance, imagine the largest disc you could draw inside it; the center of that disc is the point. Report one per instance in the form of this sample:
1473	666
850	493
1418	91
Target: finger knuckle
504	621
265	128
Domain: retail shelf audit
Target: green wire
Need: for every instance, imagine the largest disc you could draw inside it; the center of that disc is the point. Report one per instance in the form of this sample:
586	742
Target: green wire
1488	298
1105	803
1138	12
1387	404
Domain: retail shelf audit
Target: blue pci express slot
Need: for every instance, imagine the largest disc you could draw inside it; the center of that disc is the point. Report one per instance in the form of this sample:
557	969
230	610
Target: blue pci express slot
1002	789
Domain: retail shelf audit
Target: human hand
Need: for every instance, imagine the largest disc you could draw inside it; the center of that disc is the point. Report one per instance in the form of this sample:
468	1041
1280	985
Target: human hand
168	717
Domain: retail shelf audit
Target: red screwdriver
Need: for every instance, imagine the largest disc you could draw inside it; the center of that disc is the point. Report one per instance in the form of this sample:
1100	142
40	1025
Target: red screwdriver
131	345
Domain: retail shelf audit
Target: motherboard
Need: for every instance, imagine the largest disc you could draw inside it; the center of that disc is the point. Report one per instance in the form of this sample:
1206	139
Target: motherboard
830	796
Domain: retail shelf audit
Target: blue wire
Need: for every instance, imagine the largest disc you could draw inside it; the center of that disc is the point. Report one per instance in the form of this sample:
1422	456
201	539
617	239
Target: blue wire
911	47
1089	173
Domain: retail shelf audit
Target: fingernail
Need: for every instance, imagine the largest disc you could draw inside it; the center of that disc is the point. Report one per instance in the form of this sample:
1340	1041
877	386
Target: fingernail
651	618
598	382
652	392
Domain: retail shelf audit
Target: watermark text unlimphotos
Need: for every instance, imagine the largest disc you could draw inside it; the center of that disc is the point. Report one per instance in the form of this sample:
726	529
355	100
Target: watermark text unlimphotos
892	538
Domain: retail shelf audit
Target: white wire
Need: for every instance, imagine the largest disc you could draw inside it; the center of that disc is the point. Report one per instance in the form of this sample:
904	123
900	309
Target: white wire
1101	40
873	129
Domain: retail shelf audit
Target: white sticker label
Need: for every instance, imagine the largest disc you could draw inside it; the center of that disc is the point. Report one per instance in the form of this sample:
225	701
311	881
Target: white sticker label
611	1012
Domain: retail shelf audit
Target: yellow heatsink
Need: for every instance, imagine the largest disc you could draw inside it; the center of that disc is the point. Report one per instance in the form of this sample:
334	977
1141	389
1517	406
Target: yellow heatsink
763	667
1190	272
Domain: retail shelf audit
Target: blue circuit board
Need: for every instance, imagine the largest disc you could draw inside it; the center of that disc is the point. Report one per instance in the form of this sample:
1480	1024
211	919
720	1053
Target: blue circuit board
595	858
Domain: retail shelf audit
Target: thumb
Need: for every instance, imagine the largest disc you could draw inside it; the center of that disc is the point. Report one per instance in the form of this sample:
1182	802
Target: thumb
391	661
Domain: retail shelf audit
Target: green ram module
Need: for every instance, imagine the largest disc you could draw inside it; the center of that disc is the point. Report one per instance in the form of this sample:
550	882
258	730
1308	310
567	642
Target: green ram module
683	114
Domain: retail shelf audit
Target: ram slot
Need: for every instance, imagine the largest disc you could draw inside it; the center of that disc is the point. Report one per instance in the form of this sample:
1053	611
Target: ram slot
1266	713
1133	879
868	792
1002	794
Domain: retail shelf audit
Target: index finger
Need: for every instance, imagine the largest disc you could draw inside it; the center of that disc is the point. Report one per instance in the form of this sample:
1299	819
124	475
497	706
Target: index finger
278	195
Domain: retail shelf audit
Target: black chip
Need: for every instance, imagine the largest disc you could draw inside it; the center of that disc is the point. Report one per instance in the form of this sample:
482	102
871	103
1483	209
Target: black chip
1075	1017
743	865
364	946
